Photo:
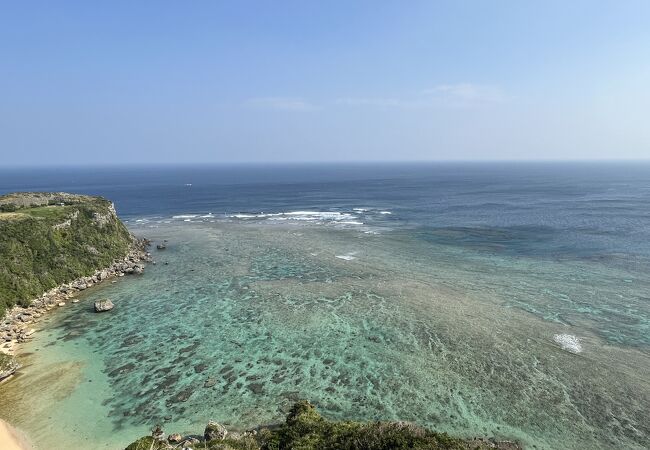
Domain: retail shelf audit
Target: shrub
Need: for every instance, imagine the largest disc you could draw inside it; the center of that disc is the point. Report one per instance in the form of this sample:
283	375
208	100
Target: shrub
9	207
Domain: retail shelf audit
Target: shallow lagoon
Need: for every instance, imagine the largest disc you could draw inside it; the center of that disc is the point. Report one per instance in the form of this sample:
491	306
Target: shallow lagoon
247	318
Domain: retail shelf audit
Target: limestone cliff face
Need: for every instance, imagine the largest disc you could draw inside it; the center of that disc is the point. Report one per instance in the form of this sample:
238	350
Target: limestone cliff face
47	239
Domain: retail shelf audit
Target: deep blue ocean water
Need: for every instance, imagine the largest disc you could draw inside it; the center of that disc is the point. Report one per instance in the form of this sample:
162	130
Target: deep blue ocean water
533	209
508	299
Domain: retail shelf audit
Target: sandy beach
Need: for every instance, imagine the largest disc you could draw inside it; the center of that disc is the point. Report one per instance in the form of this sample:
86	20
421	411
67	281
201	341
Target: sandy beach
12	439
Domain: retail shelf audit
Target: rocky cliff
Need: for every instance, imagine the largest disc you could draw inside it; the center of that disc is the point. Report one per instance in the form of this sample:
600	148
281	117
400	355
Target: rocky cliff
47	239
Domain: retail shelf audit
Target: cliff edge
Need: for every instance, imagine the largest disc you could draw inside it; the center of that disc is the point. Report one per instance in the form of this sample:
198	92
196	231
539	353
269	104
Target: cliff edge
47	239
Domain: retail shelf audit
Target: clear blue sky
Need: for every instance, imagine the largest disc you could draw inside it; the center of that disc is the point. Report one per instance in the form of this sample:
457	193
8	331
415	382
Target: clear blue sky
191	81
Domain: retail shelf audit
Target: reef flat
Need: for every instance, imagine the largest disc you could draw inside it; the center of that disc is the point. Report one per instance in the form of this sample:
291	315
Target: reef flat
237	321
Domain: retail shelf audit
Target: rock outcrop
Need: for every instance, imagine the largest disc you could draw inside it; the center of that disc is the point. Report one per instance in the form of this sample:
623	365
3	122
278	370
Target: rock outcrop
214	430
174	438
104	305
8	366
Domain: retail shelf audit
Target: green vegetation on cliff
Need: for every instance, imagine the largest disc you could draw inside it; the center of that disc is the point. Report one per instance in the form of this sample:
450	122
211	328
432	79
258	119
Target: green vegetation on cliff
47	239
306	429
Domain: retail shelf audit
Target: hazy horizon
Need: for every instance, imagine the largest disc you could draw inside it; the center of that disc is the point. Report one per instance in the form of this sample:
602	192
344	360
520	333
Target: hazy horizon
294	82
324	163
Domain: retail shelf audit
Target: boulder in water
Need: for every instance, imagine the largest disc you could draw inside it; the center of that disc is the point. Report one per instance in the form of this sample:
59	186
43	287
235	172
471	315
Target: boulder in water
103	305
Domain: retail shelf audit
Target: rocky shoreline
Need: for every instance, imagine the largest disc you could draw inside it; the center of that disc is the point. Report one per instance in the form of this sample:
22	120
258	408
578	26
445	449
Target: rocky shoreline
306	429
15	326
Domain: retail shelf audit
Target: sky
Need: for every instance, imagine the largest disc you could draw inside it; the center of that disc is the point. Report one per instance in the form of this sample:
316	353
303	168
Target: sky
304	81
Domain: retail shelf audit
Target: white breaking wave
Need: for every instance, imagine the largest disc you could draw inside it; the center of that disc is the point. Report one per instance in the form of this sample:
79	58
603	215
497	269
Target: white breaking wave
245	216
332	215
308	216
568	342
347	257
344	219
289	216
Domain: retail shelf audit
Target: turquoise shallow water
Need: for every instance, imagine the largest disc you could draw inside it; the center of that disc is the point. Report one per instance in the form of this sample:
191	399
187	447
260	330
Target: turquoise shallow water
247	318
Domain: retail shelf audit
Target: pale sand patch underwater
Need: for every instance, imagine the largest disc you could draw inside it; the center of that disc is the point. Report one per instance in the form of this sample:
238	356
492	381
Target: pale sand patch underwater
404	331
33	397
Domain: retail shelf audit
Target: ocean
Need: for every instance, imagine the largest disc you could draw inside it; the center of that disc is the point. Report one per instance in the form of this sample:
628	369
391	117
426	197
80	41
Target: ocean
498	299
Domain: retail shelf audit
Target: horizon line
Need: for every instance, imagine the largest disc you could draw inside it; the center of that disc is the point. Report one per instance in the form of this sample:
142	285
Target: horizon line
140	164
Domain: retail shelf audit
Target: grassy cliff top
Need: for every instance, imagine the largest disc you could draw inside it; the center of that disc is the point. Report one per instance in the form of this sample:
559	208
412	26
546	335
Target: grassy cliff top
33	199
45	205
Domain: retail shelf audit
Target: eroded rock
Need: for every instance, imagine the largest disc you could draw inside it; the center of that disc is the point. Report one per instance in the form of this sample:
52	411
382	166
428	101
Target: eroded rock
214	430
174	438
8	366
103	305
